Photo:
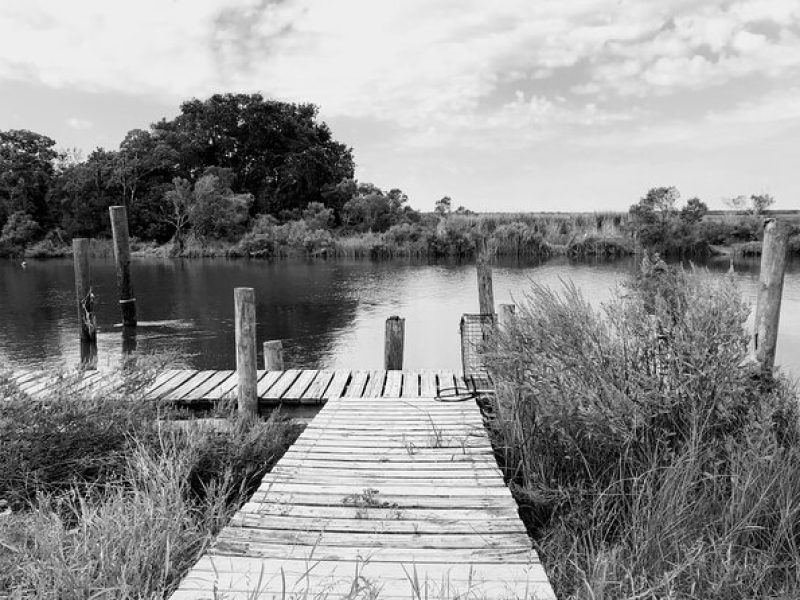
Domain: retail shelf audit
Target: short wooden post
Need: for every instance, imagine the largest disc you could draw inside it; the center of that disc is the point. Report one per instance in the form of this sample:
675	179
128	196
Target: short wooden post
770	290
246	354
395	339
506	314
122	257
273	355
484	267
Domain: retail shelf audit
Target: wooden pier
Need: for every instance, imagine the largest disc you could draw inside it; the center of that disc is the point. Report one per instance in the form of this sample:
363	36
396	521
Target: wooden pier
388	493
378	498
294	386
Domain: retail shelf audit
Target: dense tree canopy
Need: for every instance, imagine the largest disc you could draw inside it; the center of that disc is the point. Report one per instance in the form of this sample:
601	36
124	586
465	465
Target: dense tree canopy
237	155
277	151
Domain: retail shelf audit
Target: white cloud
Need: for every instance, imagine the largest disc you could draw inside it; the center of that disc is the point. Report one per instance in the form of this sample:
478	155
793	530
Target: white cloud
439	72
76	123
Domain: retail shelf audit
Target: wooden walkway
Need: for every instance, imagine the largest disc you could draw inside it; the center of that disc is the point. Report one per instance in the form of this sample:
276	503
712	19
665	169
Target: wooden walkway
294	386
378	498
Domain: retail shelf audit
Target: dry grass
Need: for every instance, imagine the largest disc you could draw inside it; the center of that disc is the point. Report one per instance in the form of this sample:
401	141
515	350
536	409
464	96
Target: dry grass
110	502
648	463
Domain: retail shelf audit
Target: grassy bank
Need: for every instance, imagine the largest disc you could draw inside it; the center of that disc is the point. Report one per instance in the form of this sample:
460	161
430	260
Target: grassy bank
648	463
533	235
108	501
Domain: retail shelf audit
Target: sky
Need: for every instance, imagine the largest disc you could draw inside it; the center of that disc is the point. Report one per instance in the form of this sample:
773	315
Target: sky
506	105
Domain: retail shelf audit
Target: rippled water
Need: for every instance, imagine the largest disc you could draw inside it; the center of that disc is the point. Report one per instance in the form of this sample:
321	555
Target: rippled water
329	313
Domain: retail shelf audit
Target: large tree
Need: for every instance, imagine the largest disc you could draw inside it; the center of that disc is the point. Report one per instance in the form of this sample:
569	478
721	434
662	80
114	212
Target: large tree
26	171
278	152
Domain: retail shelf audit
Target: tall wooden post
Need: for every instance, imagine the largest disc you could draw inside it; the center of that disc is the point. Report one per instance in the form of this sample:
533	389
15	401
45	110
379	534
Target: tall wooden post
393	344
273	355
770	290
246	354
122	257
485	290
83	289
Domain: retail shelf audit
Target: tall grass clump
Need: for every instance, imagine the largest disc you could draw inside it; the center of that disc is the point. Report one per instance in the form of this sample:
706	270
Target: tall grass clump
648	462
111	498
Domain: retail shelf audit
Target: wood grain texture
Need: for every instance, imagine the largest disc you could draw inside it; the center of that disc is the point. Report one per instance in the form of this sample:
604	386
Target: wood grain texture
404	491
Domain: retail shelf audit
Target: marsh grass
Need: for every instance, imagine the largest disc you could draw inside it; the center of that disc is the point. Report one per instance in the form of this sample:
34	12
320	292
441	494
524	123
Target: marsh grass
648	463
110	499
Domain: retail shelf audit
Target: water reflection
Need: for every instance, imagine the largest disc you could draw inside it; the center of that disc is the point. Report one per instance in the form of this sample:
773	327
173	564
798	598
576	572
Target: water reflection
330	314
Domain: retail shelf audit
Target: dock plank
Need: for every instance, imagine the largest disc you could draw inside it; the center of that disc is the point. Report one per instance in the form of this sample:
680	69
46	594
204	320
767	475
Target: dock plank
410	385
405	491
394	383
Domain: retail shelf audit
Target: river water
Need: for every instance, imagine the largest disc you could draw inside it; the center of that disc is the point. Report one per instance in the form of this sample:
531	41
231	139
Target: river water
330	314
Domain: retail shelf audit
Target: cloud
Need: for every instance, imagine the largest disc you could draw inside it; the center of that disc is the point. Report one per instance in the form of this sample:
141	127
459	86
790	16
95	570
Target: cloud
76	123
434	72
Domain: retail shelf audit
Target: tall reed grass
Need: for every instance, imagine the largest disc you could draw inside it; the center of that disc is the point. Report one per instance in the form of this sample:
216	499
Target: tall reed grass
110	500
648	462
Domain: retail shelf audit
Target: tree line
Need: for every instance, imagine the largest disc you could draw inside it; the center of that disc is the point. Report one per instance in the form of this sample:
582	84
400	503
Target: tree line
210	171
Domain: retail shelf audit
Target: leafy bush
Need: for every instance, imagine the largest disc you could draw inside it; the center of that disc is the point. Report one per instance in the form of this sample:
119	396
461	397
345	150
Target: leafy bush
649	463
19	230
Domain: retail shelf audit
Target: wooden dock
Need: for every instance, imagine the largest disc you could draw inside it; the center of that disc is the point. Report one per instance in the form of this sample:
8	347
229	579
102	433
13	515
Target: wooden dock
378	498
293	386
388	493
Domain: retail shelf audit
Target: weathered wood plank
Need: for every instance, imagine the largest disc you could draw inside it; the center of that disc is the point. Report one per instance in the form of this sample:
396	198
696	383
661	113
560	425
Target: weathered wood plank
206	389
284	382
393	386
410	385
300	385
427	384
316	391
337	385
190	384
357	383
374	386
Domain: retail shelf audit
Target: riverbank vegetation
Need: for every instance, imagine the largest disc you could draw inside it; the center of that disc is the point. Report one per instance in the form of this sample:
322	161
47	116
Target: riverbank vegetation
649	462
106	498
240	175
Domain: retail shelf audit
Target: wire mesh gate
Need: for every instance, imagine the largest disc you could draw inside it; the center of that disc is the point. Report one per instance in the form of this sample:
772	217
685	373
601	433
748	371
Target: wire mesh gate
476	334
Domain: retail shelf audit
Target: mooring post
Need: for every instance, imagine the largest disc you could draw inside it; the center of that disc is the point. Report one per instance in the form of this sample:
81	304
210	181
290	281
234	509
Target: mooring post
246	354
122	258
273	355
484	267
85	301
506	314
395	339
770	290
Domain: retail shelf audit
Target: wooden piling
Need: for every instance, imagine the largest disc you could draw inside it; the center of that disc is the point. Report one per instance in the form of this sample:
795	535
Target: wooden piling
122	258
273	355
394	342
83	289
246	354
770	290
484	268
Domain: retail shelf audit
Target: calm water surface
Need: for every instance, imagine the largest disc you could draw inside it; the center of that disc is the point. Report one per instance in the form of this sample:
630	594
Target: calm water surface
330	314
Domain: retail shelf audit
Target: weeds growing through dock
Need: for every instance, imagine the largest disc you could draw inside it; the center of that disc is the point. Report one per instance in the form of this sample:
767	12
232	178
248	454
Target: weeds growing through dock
650	464
110	499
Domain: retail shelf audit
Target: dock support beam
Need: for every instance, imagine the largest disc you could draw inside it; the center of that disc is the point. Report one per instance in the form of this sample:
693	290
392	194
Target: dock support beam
122	258
246	354
395	340
85	302
273	355
484	267
770	290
